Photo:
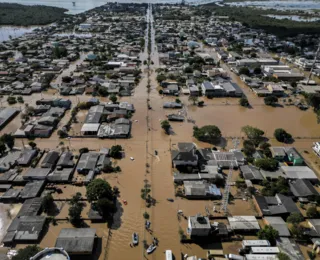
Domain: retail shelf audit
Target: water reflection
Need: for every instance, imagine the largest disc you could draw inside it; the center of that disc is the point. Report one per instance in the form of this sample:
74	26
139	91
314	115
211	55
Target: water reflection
294	18
8	32
285	5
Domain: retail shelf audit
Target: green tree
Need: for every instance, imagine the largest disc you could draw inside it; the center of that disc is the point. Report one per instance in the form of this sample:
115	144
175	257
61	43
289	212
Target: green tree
268	233
75	213
282	135
244	71
208	133
254	134
83	150
295	218
98	189
116	151
8	139
27	252
62	134
113	98
313	100
161	78
265	148
59	52
3	148
47	202
257	70
297	231
270	100
105	207
272	188
11	100
243	101
165	125
32	144
248	148
267	164
75	199
20	99
76	207
188	70
312	212
194	99
283	256
103	92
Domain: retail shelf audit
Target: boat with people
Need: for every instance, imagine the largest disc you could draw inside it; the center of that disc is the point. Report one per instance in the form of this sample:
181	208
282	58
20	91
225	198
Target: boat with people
151	248
169	255
135	239
148	224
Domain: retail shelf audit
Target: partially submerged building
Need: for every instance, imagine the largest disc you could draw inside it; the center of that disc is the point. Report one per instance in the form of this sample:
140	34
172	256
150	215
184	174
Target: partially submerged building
76	241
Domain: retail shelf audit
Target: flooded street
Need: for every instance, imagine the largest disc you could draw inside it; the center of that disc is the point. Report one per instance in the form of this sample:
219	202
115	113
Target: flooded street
155	169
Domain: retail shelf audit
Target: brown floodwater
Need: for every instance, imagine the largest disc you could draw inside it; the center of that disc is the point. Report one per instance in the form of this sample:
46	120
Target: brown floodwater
147	136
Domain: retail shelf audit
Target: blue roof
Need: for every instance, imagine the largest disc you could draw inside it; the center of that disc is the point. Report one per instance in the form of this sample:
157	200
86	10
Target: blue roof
92	56
214	190
193	44
93	100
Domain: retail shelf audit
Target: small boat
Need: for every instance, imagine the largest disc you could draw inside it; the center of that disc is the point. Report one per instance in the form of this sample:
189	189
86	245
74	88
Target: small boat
151	248
155	241
169	255
148	224
169	199
135	239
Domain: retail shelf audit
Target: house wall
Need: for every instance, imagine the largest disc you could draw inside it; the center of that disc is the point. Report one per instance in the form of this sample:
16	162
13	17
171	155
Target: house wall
184	163
257	206
201	232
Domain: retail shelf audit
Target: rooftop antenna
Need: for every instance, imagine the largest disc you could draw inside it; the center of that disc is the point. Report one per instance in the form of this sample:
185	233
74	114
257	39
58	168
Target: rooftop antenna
314	62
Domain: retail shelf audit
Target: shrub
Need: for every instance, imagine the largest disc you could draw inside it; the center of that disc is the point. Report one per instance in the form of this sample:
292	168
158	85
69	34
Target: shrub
295	218
281	135
268	233
208	133
146	215
267	164
244	102
312	212
11	100
165	125
270	100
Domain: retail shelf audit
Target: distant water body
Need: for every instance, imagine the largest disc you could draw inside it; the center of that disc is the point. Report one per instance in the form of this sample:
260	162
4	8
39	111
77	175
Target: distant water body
82	5
281	5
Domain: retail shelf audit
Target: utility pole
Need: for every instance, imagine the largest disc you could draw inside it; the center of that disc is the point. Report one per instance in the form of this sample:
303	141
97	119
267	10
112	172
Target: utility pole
313	63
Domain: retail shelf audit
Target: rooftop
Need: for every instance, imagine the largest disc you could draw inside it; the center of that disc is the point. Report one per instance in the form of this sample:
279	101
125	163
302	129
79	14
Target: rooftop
76	240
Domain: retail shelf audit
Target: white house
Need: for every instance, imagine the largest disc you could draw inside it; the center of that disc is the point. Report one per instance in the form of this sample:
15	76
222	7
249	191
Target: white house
198	226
